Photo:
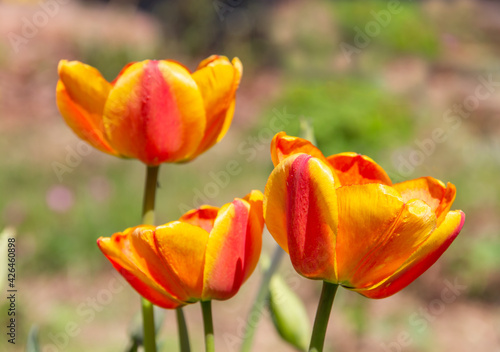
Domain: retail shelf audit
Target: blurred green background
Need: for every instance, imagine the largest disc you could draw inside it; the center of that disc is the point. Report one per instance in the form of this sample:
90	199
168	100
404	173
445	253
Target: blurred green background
374	79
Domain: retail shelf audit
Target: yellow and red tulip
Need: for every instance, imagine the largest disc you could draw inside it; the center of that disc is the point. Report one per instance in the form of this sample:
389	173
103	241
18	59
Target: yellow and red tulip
154	111
207	254
343	221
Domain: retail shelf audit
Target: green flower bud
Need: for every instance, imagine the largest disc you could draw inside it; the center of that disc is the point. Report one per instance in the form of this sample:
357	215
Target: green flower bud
288	314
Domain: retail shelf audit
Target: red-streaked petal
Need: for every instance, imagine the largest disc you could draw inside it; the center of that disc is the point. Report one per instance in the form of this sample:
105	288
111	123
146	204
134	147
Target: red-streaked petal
81	94
182	247
427	254
225	254
282	146
145	290
438	196
377	232
203	217
253	244
155	113
217	79
356	169
133	254
301	214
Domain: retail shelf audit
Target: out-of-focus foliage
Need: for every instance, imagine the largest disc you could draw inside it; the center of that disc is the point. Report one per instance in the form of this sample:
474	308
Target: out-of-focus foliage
402	30
349	113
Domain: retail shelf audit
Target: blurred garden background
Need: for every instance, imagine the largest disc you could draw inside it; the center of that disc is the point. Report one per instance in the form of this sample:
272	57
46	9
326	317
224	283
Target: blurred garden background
414	85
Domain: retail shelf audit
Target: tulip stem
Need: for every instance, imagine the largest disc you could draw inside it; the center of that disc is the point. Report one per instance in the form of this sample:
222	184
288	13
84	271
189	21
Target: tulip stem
206	308
322	316
148	325
148	205
260	301
183	332
148	218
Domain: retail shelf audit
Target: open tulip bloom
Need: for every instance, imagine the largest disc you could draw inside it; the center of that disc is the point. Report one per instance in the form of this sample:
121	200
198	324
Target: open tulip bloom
207	254
343	221
154	111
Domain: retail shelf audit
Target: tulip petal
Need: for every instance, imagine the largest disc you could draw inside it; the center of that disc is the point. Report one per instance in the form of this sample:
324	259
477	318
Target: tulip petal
147	256
253	244
156	297
218	79
275	202
282	146
225	253
155	113
301	214
377	232
81	95
139	264
203	217
356	169
426	255
438	196
182	247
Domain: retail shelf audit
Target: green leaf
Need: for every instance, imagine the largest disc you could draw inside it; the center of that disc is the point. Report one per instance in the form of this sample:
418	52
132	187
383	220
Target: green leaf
32	343
288	314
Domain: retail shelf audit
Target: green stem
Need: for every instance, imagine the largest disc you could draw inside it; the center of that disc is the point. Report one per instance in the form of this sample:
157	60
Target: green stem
322	316
206	308
148	205
260	301
183	332
148	320
148	218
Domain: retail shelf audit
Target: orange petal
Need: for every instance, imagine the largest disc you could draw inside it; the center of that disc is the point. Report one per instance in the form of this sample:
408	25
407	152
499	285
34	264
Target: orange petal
377	232
300	209
145	290
81	95
355	169
133	254
426	255
203	217
255	227
218	79
182	247
438	196
282	146
155	113
225	260
275	202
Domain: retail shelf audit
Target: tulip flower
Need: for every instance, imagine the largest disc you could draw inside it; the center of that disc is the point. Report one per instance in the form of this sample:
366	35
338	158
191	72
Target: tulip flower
342	220
154	111
207	254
